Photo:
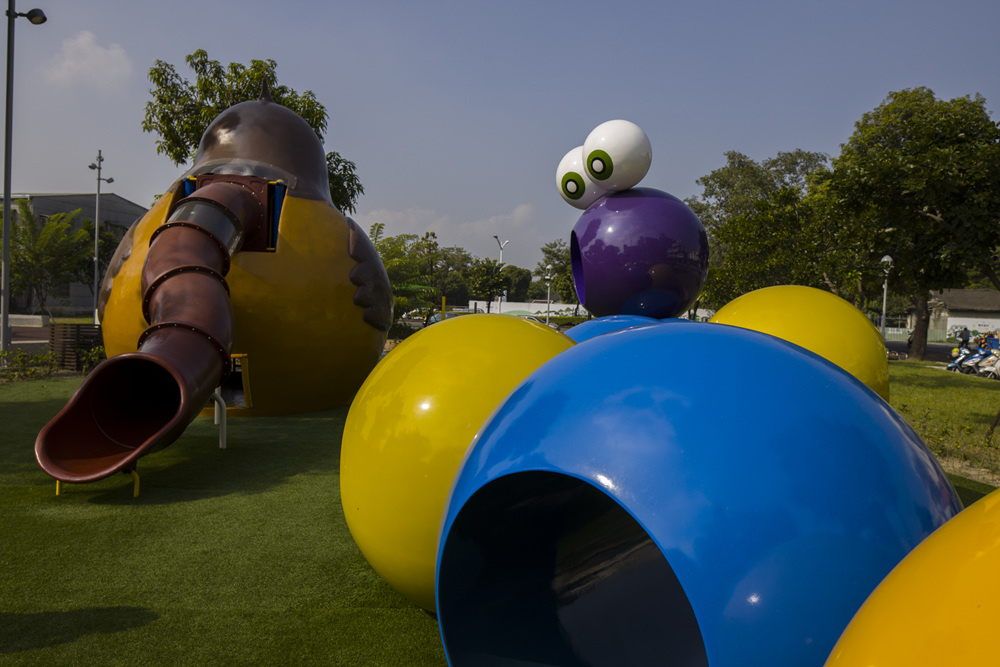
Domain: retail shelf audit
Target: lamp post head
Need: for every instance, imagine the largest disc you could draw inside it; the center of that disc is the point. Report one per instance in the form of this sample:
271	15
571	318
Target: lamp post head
109	179
886	264
36	16
91	166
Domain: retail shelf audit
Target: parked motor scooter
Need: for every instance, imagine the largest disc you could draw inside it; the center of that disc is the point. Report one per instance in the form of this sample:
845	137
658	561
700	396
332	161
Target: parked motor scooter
990	367
971	363
958	356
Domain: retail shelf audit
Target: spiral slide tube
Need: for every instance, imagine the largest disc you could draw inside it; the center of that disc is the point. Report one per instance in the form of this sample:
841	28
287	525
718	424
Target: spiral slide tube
139	402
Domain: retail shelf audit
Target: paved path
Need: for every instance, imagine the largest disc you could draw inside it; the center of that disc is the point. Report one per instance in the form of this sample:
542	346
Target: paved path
939	352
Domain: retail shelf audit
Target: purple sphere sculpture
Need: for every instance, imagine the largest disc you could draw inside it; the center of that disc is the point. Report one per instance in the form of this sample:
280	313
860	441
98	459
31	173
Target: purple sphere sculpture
639	252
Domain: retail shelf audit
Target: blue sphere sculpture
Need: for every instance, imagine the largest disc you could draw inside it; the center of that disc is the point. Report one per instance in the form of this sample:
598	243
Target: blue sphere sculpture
623	506
602	325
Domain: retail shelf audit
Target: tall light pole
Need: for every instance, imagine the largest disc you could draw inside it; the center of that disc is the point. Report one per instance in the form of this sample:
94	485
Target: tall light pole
548	295
501	246
97	224
886	266
36	17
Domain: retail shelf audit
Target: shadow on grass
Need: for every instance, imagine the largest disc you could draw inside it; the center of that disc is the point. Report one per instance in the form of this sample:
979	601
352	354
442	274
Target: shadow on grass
261	453
969	490
23	632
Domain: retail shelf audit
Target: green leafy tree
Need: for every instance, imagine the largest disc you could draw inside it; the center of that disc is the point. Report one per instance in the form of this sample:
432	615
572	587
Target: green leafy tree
752	211
180	111
517	282
403	267
557	254
763	249
918	180
444	268
45	255
486	280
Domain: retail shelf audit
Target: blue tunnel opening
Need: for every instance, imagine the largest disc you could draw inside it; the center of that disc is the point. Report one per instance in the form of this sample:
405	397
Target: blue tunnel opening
540	568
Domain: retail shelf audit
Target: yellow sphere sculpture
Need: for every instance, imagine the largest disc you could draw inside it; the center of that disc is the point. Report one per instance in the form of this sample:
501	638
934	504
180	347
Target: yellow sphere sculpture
940	605
410	425
818	321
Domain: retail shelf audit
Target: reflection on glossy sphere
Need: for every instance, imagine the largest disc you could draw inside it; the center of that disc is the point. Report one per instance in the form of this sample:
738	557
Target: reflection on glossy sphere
625	505
603	325
411	423
639	252
818	321
940	605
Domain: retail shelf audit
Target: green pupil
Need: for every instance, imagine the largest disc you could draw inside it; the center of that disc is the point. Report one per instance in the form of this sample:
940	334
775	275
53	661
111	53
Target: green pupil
600	165
572	185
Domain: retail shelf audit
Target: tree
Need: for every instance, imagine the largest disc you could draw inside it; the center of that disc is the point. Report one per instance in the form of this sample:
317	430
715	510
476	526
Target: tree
444	268
486	281
763	249
755	215
45	255
403	268
517	281
180	111
919	176
557	254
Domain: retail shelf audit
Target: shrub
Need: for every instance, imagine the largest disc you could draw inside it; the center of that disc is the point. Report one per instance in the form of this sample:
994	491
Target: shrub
17	365
89	358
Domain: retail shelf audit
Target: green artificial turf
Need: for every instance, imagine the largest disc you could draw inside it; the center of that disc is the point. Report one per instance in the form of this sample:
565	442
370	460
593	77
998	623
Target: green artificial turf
234	556
242	555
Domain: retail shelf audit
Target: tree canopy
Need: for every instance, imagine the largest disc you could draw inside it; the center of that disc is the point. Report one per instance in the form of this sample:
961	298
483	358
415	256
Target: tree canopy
918	178
557	254
180	111
917	181
756	217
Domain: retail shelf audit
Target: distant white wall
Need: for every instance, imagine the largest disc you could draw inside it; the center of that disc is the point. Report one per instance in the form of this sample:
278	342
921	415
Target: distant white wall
534	307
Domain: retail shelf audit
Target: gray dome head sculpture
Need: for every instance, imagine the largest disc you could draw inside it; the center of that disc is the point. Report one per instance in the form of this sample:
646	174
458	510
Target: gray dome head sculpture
264	139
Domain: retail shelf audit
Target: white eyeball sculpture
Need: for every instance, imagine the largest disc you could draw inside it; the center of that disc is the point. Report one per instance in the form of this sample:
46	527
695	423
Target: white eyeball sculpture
635	251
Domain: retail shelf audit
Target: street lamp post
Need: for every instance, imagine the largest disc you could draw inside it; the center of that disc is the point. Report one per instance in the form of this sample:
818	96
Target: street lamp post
36	17
886	266
548	289
501	246
97	224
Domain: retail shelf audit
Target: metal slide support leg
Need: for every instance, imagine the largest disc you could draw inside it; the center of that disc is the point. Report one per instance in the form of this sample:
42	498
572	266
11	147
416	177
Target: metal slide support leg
220	417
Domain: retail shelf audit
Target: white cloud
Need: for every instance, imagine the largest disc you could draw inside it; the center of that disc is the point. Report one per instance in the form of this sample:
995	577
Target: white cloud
83	61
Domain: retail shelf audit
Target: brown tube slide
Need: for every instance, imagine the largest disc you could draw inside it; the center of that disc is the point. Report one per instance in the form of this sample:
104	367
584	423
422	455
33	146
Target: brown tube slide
136	403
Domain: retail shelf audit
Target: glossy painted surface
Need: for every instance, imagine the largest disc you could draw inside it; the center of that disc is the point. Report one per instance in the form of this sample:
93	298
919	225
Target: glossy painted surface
617	155
818	321
639	252
294	316
410	425
940	605
575	186
779	497
602	325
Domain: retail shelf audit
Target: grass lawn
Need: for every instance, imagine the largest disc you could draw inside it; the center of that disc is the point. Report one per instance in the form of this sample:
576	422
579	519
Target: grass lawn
951	412
235	556
242	555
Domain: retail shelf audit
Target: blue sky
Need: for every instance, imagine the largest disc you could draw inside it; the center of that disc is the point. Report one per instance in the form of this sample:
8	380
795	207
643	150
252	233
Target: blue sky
457	113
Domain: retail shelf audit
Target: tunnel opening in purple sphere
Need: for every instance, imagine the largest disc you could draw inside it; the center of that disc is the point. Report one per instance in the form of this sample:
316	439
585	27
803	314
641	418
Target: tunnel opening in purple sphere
544	568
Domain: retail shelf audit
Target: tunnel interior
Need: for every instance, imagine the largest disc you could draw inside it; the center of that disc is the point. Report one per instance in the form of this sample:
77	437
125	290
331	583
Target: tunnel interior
540	568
